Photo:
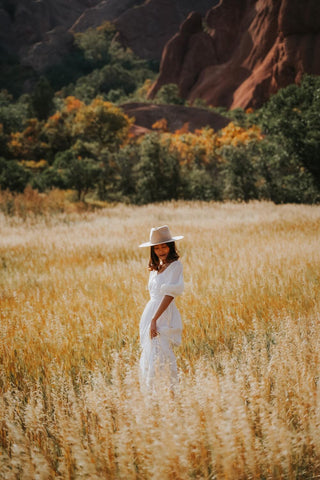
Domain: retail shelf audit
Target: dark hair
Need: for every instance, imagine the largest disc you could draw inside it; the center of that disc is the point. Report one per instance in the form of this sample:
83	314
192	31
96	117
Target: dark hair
154	261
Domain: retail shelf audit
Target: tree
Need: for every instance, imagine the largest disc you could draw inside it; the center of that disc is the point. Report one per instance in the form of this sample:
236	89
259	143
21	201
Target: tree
198	184
282	177
13	176
77	172
13	115
95	43
102	124
240	175
42	99
28	144
157	173
292	119
169	94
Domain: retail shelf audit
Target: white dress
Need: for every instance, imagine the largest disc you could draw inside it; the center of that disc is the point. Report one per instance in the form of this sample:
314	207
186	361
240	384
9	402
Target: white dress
157	357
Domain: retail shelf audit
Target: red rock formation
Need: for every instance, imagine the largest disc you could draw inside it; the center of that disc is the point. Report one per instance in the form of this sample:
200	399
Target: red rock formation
147	114
258	47
181	62
147	28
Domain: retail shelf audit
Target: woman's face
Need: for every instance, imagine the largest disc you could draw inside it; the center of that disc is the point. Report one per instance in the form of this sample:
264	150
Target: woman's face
162	251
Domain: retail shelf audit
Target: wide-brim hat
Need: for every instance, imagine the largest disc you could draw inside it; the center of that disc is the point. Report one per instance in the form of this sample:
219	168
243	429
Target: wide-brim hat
160	235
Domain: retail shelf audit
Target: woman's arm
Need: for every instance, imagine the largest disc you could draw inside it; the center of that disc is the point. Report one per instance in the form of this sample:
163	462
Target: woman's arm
167	299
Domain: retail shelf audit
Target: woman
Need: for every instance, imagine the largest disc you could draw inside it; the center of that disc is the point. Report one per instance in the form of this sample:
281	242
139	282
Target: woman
160	325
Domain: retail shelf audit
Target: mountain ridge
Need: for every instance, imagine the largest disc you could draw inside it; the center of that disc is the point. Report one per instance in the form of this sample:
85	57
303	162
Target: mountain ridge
246	52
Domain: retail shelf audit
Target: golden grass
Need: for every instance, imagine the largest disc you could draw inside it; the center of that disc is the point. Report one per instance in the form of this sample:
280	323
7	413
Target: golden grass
72	289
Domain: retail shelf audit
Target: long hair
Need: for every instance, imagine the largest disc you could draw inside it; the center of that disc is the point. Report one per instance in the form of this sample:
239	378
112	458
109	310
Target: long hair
154	261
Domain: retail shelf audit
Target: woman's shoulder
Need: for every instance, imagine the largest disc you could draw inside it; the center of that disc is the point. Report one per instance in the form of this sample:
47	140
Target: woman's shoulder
176	264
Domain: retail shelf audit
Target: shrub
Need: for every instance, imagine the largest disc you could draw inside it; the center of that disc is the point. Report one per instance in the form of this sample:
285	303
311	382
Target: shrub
13	176
169	94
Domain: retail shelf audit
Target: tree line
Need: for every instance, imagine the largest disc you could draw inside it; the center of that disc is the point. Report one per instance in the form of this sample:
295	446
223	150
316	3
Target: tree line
70	133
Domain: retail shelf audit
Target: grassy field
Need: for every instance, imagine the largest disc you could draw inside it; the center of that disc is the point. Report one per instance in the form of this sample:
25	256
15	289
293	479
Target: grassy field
72	289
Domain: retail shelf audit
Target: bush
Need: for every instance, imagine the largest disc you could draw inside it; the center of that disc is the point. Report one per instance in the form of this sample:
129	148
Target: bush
13	176
30	203
169	94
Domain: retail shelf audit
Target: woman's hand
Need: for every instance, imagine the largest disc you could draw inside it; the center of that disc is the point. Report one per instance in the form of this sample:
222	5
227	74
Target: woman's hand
153	329
167	299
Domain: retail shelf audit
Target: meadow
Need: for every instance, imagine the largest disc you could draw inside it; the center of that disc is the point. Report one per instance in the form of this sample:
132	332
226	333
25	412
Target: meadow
72	289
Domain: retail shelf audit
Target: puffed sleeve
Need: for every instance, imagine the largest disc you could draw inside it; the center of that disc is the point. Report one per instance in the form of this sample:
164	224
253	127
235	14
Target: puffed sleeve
174	284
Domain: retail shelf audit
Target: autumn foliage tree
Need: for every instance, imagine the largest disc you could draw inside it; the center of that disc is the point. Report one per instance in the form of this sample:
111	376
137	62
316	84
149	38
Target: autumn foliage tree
89	146
29	144
74	147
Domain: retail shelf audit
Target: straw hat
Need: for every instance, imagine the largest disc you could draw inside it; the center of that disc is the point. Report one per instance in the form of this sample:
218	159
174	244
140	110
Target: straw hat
160	235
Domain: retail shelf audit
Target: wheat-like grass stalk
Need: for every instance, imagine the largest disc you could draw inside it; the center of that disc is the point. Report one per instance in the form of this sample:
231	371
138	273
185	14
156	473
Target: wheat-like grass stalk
72	289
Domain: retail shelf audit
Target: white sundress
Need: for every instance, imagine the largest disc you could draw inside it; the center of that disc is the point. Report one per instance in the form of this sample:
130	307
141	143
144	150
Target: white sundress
157	356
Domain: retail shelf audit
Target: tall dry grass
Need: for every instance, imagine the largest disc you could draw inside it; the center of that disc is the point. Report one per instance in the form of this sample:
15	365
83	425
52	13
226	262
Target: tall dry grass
72	291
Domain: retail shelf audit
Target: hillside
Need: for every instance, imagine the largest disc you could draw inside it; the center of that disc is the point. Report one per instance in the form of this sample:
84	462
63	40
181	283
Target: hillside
29	28
237	57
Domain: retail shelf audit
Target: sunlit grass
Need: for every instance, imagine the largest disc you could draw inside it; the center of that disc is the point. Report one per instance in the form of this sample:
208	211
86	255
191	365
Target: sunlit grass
72	289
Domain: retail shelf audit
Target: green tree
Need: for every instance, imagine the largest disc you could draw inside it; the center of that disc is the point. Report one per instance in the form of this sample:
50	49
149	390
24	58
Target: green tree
42	99
282	177
13	176
157	173
169	94
117	77
239	172
77	173
95	43
124	181
13	114
198	184
292	119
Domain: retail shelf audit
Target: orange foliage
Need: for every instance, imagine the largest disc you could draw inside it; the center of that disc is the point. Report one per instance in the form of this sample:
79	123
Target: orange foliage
161	125
183	129
32	165
25	144
101	122
72	104
197	146
56	117
202	145
235	135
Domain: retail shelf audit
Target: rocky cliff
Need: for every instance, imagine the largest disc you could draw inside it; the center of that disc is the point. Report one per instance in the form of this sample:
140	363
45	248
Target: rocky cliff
37	30
147	28
25	22
249	51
